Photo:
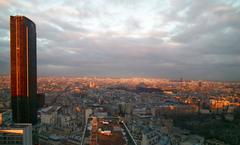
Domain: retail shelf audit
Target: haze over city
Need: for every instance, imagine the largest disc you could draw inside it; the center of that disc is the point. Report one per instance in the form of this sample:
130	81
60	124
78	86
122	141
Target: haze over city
147	38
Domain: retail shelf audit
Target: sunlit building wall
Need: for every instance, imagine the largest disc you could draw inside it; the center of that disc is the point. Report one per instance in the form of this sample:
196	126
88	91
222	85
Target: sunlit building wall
23	69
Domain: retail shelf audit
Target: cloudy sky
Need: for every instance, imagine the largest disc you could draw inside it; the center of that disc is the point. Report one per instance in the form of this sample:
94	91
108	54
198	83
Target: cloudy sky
193	39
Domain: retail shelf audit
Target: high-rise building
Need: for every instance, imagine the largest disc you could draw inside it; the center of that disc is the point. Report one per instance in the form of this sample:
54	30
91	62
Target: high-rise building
23	70
17	134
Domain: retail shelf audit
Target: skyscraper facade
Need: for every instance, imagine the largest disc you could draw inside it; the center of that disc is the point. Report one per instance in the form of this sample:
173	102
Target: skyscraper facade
23	69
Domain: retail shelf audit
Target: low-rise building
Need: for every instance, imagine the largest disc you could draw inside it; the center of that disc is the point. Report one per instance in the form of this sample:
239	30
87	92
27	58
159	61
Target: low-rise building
16	134
49	114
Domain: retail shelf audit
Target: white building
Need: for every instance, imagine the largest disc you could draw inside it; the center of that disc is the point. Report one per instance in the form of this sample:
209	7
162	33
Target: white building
88	112
49	115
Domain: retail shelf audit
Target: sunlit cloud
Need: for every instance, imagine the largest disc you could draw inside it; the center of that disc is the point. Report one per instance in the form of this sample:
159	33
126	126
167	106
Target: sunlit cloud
167	38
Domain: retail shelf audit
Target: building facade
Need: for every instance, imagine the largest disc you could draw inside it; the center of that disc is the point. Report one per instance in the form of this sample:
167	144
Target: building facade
23	70
17	134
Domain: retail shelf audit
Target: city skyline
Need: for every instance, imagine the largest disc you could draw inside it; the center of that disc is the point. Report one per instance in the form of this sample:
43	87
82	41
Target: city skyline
167	39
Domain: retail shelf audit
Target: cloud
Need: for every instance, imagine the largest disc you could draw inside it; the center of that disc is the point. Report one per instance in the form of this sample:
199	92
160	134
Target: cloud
168	38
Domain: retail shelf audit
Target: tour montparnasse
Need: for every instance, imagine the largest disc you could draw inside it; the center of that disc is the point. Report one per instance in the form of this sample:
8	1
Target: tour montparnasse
23	69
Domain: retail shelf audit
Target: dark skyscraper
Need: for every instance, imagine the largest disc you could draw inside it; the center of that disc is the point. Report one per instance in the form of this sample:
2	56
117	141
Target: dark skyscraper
23	69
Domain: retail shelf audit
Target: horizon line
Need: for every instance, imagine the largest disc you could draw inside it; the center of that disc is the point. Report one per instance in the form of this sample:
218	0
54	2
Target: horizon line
131	77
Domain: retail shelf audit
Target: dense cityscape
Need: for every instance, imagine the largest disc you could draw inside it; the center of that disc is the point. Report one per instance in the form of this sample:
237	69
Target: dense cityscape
155	111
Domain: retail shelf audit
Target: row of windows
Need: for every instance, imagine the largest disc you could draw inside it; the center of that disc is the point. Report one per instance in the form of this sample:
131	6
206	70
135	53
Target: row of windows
10	142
